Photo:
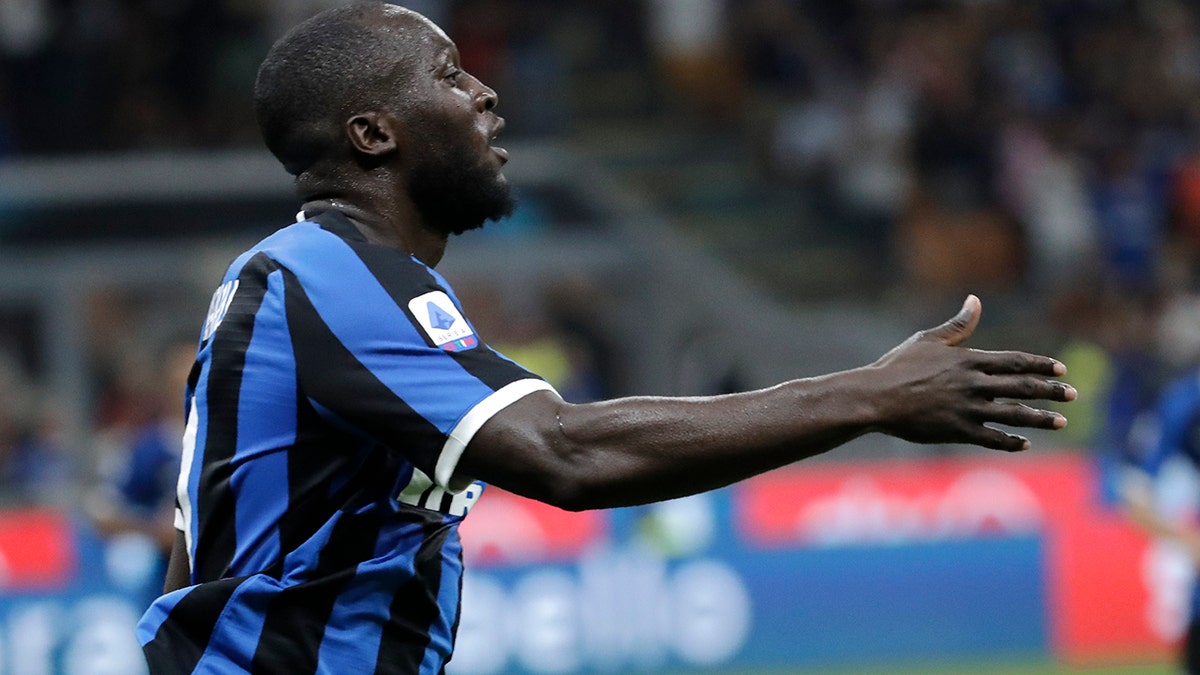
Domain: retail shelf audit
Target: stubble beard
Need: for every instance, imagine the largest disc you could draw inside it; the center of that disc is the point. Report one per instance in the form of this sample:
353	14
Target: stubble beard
456	191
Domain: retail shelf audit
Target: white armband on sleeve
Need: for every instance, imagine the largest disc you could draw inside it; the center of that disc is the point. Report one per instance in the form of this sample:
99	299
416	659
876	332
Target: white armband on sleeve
470	423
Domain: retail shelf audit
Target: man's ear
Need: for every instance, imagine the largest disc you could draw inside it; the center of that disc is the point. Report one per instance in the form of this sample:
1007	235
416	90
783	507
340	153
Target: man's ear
374	134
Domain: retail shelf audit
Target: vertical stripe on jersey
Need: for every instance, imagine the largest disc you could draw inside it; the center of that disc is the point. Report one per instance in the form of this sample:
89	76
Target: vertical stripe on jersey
266	432
184	484
187	451
241	623
183	636
457	604
335	378
192	453
316	460
295	621
352	639
215	507
441	643
414	609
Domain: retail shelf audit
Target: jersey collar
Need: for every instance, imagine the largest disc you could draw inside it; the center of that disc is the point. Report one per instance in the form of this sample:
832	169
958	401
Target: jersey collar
334	221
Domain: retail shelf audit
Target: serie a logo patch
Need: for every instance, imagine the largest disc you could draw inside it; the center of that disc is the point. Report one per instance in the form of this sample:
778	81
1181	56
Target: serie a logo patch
442	322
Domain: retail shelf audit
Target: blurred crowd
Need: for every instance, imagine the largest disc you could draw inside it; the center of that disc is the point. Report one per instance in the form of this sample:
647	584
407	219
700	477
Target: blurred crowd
82	76
1051	130
1059	136
1056	136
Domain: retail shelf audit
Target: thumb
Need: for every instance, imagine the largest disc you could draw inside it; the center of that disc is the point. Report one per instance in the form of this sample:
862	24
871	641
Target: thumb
958	328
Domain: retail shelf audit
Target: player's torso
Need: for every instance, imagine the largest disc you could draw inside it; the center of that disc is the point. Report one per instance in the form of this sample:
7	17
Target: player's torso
268	468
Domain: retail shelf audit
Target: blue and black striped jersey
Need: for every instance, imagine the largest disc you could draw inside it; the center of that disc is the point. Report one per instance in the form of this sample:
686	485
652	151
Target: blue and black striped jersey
337	384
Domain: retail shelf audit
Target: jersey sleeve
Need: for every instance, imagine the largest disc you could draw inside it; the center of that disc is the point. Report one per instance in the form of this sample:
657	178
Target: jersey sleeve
382	345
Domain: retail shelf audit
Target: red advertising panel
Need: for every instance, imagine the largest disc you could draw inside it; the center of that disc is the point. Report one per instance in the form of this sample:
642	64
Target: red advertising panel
37	550
1106	598
504	528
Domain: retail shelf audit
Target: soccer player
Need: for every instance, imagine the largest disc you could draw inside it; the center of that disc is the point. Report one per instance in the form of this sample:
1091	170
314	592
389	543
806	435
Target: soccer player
344	415
1176	435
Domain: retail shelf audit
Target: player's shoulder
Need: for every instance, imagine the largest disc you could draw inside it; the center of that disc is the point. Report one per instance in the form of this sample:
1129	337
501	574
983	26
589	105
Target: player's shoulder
274	250
298	242
308	250
333	267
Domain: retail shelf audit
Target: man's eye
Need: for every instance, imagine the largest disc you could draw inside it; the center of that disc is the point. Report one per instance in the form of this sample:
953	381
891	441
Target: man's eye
453	75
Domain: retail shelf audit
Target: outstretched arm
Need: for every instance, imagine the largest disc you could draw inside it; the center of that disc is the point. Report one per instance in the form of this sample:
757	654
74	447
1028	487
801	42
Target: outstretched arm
643	449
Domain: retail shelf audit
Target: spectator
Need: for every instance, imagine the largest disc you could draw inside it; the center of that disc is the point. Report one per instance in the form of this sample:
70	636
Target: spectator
34	467
1176	420
139	496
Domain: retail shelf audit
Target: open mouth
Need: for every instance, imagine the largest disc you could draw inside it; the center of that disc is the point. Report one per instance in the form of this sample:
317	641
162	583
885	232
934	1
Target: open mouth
500	152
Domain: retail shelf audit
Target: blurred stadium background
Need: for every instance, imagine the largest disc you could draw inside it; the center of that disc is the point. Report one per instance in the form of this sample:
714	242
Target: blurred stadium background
716	194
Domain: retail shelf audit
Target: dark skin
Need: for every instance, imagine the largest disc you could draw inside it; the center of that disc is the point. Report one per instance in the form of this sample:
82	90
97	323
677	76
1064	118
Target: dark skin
370	183
644	449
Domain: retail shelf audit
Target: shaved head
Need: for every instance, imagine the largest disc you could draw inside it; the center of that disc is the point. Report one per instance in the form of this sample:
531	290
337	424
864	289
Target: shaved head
375	86
340	62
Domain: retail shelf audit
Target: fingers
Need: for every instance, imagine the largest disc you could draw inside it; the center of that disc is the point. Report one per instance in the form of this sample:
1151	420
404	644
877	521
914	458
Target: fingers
1020	415
959	328
1007	363
1026	387
1015	415
996	439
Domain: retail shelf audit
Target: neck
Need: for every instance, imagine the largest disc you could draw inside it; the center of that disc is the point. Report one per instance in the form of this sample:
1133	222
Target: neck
396	226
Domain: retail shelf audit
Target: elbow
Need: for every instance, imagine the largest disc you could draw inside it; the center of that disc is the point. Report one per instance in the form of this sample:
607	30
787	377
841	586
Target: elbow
559	472
526	451
572	499
568	477
565	487
564	503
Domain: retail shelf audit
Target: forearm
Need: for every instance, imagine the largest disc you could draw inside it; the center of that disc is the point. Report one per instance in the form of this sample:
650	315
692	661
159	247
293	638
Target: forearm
638	450
643	449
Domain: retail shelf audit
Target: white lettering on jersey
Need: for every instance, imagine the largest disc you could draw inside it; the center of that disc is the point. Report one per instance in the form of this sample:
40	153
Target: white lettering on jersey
221	299
422	493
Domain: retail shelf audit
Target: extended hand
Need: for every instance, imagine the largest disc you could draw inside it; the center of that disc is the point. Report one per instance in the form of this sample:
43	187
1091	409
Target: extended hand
938	392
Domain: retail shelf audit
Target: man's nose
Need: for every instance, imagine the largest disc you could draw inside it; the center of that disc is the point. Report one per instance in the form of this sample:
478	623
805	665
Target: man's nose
487	98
